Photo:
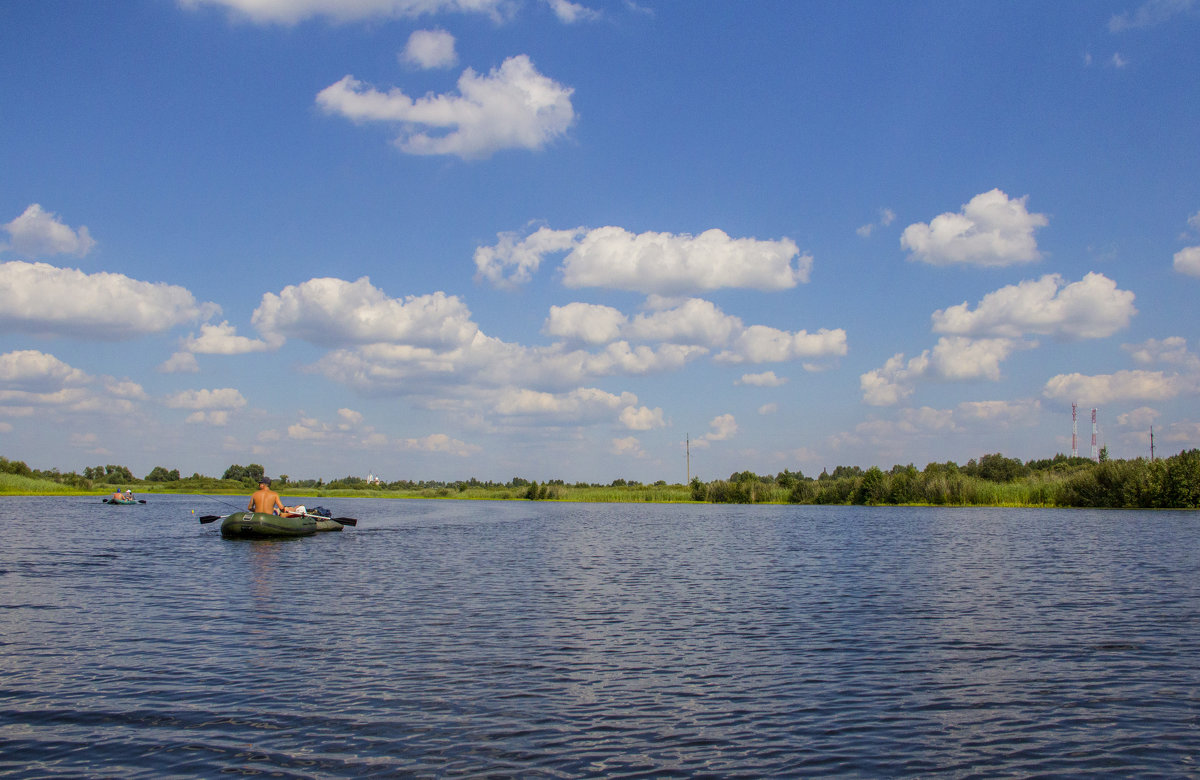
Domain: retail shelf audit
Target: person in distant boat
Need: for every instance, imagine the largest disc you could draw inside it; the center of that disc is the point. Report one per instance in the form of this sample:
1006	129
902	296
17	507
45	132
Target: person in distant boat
118	496
265	500
128	494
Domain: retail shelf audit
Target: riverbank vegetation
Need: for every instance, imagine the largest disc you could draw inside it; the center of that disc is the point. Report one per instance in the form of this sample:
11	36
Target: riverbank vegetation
992	480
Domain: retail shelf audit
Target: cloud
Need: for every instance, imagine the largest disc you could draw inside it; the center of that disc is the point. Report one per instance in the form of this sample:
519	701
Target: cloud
294	11
180	363
641	418
1140	418
765	379
762	344
43	299
512	107
695	322
1021	412
334	312
771	408
692	321
570	13
1090	308
585	322
990	230
1171	351
651	263
722	428
210	407
1149	14
522	256
203	400
223	340
1187	261
39	233
628	447
886	217
1135	385
430	49
675	264
32	381
581	406
37	372
441	443
952	358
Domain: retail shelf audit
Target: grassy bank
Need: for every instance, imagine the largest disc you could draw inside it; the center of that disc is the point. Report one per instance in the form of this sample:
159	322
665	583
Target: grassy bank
993	480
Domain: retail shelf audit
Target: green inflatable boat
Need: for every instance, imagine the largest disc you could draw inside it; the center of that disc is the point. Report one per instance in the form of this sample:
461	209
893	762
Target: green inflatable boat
257	525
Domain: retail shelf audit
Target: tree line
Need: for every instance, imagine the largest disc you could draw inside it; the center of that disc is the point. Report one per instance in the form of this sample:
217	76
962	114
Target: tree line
991	480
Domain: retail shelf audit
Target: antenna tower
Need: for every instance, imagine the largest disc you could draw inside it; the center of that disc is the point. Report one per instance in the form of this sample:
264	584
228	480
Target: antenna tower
1074	430
1095	452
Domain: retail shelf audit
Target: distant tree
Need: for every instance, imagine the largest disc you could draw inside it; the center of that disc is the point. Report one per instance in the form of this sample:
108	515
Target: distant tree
249	474
1103	456
160	474
997	468
114	474
872	488
699	491
18	467
619	482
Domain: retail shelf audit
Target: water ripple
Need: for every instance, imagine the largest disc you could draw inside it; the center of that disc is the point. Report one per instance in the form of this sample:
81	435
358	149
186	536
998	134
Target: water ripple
546	640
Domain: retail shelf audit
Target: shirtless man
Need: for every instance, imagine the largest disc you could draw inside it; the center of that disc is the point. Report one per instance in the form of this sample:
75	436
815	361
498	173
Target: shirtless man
265	500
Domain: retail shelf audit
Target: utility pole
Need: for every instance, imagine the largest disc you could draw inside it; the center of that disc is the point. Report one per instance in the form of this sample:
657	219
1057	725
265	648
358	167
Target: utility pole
1151	443
689	458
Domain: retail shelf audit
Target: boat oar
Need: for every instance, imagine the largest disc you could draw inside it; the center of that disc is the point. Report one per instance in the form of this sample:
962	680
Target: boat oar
211	518
342	520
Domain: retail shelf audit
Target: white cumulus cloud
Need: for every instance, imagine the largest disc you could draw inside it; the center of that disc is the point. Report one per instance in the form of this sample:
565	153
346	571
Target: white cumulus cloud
40	233
204	400
586	322
1187	261
430	49
441	443
334	312
990	230
642	418
675	264
765	379
32	371
223	340
1090	308
1136	385
44	299
511	107
514	260
953	358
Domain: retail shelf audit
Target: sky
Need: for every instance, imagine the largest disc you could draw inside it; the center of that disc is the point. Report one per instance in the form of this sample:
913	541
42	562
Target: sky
444	239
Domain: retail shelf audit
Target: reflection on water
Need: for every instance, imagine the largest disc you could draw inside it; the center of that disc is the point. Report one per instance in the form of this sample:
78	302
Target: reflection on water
541	639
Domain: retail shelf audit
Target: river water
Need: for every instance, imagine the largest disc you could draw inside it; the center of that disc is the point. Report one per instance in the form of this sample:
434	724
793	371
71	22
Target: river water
541	639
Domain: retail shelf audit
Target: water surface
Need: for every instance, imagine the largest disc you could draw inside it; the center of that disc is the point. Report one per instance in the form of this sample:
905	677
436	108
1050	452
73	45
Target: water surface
542	639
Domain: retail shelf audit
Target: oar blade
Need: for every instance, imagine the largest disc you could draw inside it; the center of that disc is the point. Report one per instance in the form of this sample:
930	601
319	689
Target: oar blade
344	520
210	518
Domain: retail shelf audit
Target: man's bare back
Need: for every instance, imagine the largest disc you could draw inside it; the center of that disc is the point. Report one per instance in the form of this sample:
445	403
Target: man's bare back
265	500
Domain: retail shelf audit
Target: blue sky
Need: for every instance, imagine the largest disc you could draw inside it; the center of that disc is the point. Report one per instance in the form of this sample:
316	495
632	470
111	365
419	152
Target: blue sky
437	239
